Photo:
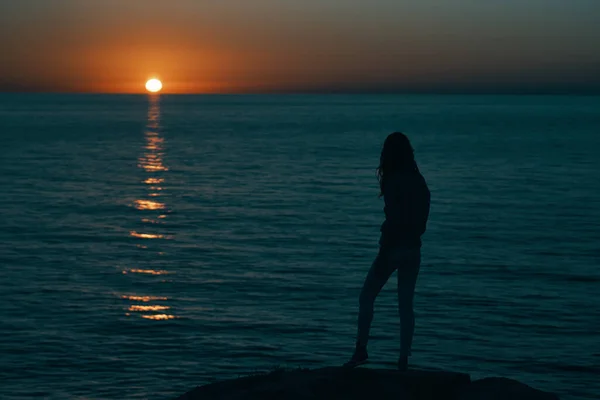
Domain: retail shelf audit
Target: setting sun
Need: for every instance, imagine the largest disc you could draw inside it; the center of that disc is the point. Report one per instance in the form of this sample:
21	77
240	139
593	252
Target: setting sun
154	85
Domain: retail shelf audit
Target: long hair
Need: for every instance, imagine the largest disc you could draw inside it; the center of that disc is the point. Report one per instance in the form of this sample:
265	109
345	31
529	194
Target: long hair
397	155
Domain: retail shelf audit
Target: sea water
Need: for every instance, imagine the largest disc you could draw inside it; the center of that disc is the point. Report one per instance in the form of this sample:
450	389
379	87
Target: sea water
152	244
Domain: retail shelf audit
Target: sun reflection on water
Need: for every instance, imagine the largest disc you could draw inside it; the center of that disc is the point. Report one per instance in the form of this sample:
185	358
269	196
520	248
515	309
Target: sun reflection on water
144	299
159	317
152	160
154	181
148	235
149	205
146	271
148	308
150	221
151	163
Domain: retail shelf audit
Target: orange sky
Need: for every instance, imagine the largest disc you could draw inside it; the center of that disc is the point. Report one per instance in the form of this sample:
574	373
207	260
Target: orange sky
268	45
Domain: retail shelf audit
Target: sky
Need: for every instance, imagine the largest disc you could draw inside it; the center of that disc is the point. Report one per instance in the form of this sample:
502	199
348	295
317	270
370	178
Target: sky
256	46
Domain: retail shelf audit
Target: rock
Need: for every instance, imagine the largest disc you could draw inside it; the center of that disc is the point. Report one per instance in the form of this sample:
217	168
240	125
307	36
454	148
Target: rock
502	389
365	384
336	383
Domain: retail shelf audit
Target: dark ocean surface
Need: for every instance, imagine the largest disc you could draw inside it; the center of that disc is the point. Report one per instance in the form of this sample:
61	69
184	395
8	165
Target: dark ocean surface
151	245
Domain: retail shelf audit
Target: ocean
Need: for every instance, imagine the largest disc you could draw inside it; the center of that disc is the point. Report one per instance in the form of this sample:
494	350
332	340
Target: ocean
152	244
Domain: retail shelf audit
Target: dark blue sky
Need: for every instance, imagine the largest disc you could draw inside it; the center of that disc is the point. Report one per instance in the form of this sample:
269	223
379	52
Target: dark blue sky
320	45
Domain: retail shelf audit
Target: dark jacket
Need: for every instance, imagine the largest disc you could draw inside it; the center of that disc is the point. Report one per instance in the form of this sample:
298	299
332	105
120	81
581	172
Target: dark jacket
407	200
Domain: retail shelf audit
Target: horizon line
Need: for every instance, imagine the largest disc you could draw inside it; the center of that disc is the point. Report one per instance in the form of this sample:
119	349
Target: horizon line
589	92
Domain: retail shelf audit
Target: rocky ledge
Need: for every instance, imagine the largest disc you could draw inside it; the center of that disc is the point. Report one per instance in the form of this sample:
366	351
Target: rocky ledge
365	384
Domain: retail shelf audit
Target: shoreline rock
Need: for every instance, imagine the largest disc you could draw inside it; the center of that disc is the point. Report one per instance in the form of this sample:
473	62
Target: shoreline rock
365	383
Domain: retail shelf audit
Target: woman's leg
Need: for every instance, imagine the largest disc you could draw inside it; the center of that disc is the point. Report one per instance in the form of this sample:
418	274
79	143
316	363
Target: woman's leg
378	275
408	271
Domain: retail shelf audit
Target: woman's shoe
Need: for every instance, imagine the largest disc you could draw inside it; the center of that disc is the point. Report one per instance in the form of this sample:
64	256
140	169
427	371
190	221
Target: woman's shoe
359	357
403	363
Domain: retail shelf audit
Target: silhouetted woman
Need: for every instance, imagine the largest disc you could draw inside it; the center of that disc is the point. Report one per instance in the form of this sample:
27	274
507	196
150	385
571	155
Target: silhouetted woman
406	199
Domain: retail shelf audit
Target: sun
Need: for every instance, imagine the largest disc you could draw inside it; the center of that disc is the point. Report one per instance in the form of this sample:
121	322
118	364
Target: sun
154	85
